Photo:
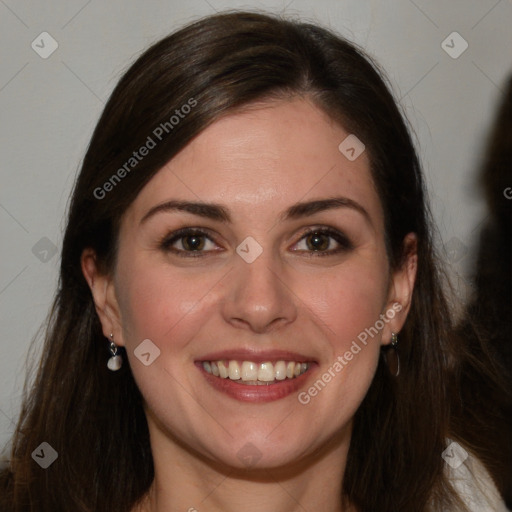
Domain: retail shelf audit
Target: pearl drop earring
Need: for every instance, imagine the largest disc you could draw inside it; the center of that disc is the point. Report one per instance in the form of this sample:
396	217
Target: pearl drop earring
115	361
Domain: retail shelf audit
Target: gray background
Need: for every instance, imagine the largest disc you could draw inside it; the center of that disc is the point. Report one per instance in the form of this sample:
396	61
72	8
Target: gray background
49	108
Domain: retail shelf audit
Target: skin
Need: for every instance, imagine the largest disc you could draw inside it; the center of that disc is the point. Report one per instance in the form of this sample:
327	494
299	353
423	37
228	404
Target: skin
256	163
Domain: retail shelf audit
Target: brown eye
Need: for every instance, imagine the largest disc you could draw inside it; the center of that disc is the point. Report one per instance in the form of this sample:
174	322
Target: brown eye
188	242
317	241
193	242
323	242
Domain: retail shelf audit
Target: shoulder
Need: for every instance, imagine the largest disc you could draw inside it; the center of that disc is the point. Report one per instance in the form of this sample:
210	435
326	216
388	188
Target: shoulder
475	487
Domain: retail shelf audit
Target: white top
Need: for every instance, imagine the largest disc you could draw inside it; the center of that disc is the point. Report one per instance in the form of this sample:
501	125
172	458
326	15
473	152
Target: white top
475	486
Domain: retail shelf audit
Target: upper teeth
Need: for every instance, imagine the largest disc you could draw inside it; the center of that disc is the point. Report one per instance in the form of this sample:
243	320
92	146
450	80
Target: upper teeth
248	371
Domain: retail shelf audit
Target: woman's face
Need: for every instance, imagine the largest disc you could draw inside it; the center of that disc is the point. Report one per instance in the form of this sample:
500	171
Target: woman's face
219	261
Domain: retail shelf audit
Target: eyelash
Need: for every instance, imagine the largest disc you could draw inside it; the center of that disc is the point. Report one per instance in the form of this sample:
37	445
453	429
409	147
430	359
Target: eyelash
167	242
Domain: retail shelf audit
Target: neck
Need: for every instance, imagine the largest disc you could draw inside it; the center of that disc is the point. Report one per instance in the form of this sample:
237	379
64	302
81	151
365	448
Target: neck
186	481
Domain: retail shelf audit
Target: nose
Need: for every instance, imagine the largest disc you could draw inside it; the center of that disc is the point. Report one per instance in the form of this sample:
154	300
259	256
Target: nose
258	298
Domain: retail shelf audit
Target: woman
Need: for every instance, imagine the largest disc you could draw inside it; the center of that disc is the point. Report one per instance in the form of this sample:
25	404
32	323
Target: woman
247	237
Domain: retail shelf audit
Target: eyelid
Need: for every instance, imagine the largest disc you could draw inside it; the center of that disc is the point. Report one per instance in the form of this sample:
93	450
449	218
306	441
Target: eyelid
341	239
168	240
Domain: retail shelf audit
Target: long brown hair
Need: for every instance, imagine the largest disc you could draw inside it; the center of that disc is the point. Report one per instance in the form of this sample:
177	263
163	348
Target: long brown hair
94	418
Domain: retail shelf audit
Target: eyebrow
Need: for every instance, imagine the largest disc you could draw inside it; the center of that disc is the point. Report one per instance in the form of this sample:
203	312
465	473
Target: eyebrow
220	213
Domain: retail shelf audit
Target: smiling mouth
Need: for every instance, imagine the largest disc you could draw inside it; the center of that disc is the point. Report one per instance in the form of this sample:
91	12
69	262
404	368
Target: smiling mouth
255	374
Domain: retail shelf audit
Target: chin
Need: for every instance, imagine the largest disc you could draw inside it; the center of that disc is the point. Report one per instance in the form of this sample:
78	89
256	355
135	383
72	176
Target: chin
263	448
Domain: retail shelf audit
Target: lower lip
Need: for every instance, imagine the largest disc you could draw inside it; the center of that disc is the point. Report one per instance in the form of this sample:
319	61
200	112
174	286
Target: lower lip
256	394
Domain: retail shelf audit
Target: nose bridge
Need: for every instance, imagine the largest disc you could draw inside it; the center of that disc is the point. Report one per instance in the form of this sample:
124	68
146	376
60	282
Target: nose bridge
257	297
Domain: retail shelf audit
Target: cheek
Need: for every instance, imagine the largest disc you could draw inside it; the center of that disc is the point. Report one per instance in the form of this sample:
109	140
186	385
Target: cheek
156	302
348	300
347	303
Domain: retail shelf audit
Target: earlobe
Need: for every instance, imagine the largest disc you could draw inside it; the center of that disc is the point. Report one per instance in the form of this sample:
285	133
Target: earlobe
102	290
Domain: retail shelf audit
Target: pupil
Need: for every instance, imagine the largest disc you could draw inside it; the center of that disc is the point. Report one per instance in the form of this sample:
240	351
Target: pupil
193	242
318	241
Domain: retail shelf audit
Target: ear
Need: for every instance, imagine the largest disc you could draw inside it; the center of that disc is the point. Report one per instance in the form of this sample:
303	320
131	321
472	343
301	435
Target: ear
103	292
401	287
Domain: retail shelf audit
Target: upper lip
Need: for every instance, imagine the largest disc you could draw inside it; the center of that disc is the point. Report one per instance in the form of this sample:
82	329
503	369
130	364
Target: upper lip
256	356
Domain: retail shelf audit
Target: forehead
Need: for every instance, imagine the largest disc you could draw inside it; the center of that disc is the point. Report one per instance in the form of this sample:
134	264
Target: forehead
262	159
